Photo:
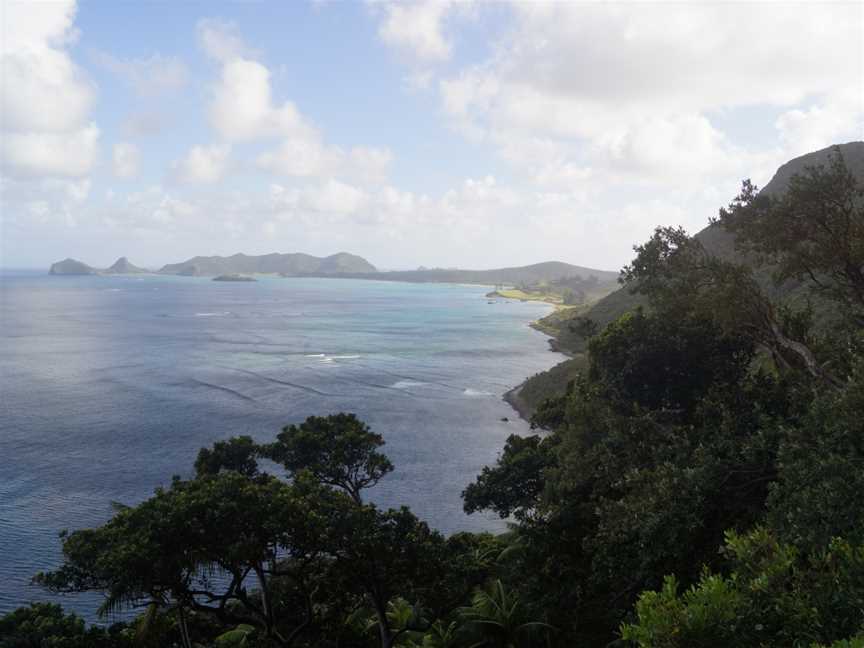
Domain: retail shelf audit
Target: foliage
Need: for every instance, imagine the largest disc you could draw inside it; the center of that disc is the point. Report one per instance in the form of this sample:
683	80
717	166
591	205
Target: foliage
717	407
238	454
313	550
339	450
820	470
497	618
516	482
44	625
774	596
811	232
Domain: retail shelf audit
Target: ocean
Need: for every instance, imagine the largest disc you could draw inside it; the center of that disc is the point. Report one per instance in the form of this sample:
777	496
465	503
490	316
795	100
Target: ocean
110	385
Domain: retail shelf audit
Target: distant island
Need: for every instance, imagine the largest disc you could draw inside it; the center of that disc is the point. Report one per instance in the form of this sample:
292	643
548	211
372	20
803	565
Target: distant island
289	265
552	281
71	267
234	277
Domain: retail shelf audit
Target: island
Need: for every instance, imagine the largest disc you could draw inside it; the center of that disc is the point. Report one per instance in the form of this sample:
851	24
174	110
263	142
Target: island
234	277
123	266
75	267
71	267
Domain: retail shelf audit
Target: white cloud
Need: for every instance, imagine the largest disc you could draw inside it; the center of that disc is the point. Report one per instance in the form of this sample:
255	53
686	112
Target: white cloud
220	41
329	197
417	27
126	160
149	77
203	164
242	108
309	157
75	191
839	116
46	98
37	154
632	90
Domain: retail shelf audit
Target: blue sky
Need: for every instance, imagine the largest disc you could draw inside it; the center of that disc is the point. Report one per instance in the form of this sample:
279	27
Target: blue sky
472	134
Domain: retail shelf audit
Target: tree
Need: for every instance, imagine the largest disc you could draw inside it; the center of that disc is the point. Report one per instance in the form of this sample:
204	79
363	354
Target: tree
278	562
774	596
680	277
813	231
516	482
339	450
660	363
165	551
820	470
44	625
238	454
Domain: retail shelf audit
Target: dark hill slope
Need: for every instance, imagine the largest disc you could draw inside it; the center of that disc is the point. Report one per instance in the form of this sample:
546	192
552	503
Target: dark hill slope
721	243
717	241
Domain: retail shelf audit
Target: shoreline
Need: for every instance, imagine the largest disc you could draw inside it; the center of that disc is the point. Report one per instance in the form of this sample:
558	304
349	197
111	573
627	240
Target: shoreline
512	398
513	395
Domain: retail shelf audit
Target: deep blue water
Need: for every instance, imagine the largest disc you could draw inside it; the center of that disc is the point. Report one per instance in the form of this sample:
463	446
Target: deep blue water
111	385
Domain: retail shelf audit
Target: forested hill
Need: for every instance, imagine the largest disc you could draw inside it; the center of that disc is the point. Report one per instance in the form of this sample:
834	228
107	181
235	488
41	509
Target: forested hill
530	274
288	264
719	242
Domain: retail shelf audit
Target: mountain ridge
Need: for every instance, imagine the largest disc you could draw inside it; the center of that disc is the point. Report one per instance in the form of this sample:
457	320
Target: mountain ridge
343	265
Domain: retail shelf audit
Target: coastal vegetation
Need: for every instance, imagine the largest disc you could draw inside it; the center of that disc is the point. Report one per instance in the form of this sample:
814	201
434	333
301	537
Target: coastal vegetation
697	483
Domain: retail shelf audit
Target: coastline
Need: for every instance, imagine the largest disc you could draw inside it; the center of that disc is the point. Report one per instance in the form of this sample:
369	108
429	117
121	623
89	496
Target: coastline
513	395
513	399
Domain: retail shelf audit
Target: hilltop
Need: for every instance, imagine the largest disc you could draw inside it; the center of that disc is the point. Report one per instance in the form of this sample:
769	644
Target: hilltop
123	266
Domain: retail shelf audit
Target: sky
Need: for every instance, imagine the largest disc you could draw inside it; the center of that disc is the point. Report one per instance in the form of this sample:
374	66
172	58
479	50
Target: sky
472	134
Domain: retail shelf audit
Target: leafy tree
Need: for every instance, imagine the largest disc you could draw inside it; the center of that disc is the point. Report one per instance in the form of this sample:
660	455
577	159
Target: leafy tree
661	364
44	625
811	232
820	470
338	450
238	454
516	482
166	551
775	596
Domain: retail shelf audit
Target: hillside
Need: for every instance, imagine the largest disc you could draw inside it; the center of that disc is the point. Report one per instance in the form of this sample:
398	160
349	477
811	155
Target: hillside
715	240
297	264
719	242
530	274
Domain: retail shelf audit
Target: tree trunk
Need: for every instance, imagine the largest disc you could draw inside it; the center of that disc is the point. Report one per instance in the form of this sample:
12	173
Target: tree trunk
184	628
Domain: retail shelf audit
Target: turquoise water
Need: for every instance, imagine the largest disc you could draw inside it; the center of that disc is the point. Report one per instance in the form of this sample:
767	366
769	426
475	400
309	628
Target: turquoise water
110	385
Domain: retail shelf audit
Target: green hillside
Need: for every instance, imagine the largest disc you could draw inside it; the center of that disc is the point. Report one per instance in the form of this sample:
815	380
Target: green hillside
717	242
